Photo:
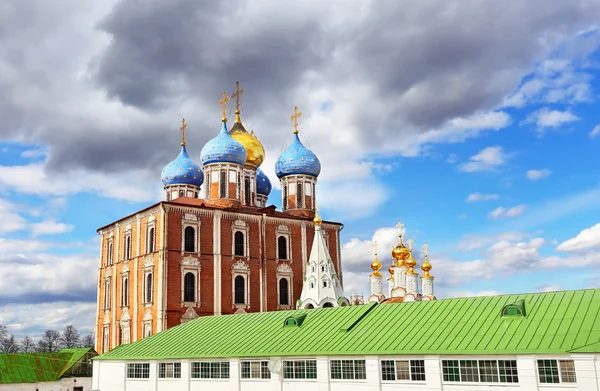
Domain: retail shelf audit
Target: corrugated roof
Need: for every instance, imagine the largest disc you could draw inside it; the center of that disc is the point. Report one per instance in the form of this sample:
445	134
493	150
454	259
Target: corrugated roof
556	322
37	367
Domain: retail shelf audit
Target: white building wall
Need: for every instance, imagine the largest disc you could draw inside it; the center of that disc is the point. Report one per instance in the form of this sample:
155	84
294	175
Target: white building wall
66	384
111	375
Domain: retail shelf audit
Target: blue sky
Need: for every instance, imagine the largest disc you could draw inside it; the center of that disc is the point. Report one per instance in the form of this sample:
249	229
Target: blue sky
480	134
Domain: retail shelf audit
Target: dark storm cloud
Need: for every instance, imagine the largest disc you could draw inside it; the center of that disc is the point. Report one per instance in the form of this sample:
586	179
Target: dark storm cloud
428	61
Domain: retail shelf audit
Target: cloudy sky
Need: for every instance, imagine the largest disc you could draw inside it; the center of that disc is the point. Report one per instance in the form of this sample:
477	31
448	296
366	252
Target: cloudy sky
474	122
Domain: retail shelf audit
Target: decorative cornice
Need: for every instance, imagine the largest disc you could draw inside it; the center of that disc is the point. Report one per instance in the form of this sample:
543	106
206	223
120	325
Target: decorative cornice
149	262
147	315
284	268
125	269
190	216
240	265
190	261
108	273
196	210
240	223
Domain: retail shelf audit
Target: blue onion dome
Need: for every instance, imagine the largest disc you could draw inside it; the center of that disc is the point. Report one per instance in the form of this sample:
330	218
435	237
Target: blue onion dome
223	149
182	171
263	184
297	159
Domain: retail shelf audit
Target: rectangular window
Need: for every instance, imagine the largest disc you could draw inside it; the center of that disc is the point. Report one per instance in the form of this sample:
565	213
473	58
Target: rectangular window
223	185
285	197
169	370
247	191
299	195
207	187
255	370
107	295
348	369
138	371
128	247
392	370
210	370
475	371
556	371
239	186
150	242
109	253
300	369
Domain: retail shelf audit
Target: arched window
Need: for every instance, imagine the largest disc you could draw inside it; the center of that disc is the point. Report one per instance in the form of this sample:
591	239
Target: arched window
239	244
310	307
109	255
284	292
299	195
128	247
282	247
190	239
223	185
312	285
189	287
285	197
240	290
327	305
125	293
149	288
247	191
151	240
324	284
181	193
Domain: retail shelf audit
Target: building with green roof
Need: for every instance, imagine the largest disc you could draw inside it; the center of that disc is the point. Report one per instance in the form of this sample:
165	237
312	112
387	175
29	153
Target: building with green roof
69	369
522	342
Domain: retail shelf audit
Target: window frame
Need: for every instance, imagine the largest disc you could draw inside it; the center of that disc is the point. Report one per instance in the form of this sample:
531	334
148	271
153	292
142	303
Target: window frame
148	288
193	240
107	295
294	369
280	292
164	372
221	364
127	250
150	239
144	370
357	373
235	289
236	246
285	248
194	289
124	291
559	369
464	372
264	372
110	250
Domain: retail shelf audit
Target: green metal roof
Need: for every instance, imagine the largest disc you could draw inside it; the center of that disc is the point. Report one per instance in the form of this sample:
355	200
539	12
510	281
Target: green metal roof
37	367
555	322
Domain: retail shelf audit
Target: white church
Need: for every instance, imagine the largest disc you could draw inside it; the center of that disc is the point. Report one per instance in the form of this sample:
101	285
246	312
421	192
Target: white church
537	341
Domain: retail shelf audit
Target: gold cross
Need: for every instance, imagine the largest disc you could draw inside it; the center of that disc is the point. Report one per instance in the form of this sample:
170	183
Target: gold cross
410	243
375	244
238	92
400	225
426	249
294	118
182	128
223	104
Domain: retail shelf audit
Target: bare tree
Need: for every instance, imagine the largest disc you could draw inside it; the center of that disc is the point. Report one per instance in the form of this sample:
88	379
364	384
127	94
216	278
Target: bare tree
3	332
9	345
88	341
70	337
50	342
26	345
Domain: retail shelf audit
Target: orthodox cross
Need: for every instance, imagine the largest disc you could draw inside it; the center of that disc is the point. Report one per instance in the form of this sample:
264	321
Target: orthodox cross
182	128
426	249
410	243
375	244
400	225
223	104
237	94
294	118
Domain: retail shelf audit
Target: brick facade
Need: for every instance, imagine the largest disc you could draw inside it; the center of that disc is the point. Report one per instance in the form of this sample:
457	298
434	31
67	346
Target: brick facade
213	264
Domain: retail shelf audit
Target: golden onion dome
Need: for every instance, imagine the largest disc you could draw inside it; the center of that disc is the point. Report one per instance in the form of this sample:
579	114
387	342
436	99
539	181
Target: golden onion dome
255	152
376	266
411	263
317	220
400	252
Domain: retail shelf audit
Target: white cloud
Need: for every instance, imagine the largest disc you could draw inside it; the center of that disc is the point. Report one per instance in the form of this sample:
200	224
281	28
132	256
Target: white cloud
473	197
587	239
486	160
475	241
453	293
546	118
502	212
535	175
595	132
548	288
10	220
50	227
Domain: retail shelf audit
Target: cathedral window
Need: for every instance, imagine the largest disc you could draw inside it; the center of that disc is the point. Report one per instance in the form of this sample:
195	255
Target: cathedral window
284	292
223	185
107	295
128	246
247	191
285	197
148	288
239	245
240	290
190	239
109	253
125	292
282	247
189	287
151	237
299	203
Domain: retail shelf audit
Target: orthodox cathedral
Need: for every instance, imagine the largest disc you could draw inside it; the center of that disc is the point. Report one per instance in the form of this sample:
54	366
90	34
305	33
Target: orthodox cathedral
229	252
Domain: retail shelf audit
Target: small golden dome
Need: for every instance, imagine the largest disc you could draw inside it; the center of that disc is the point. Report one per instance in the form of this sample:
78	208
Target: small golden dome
391	270
317	220
426	267
255	152
400	252
411	263
376	266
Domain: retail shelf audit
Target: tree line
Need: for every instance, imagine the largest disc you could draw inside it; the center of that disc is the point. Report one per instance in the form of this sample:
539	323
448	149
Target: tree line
52	341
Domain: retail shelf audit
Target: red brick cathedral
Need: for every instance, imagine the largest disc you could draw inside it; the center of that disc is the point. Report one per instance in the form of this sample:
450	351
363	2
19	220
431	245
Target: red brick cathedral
227	253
